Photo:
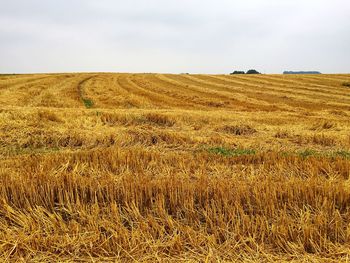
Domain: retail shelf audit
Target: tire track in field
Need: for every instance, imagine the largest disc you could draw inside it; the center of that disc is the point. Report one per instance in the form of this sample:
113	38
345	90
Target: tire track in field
276	87
157	91
303	85
82	85
26	93
327	85
144	97
105	90
132	99
194	96
6	84
63	93
333	83
273	98
322	78
303	93
252	85
108	93
261	96
185	97
200	92
239	99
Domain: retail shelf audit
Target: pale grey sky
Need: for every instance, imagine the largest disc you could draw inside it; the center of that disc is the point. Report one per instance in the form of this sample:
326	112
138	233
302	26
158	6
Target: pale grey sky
196	36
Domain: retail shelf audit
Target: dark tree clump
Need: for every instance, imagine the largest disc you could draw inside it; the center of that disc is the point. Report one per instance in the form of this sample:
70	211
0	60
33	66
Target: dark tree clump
253	71
237	72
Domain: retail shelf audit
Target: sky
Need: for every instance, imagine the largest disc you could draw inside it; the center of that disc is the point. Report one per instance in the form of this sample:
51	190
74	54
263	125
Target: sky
174	36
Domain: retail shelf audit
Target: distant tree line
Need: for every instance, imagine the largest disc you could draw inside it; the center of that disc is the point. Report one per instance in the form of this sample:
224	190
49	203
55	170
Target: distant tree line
301	72
251	71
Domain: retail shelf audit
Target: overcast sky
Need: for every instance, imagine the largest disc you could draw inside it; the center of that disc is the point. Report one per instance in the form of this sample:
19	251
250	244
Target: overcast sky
195	36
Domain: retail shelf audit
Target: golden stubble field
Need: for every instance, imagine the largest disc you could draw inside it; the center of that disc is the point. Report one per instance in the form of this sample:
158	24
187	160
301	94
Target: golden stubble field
159	167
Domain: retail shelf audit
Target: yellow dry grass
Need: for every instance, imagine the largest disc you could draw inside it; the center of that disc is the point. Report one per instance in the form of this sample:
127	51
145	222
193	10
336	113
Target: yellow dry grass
160	167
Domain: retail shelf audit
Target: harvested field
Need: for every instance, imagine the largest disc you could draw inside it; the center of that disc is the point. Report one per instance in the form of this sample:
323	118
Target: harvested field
169	168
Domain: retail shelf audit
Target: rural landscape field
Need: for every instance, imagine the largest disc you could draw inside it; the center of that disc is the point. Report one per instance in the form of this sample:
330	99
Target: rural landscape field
174	168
